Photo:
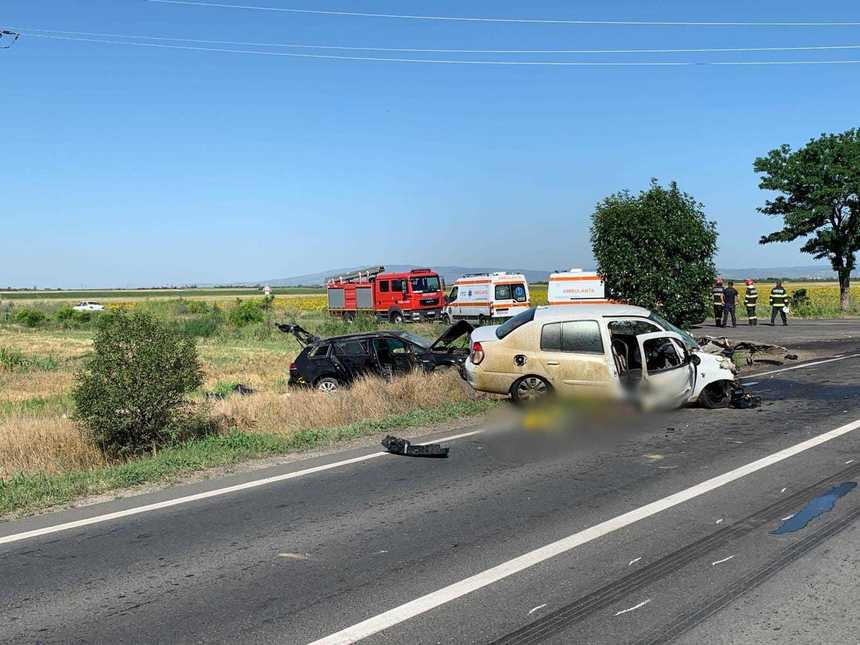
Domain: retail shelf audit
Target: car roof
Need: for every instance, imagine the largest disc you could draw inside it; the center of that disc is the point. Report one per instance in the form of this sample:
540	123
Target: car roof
582	310
362	335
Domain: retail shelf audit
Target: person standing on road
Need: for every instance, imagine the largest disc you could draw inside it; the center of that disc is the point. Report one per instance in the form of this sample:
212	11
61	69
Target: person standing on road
717	293
730	299
778	303
750	301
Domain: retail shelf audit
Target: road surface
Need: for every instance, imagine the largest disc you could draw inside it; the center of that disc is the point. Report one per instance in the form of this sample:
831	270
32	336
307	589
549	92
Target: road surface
657	532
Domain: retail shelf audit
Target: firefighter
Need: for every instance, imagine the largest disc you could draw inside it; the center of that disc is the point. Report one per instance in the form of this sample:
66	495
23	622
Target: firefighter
717	293
778	303
751	300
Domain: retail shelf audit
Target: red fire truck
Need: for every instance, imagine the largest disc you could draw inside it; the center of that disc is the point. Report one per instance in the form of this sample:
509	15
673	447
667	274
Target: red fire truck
396	296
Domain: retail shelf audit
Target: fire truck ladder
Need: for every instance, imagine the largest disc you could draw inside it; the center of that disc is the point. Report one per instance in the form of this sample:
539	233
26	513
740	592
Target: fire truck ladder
360	275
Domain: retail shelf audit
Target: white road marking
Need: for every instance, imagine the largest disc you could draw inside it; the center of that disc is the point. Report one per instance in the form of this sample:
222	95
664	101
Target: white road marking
799	367
634	561
531	611
17	537
633	608
713	564
501	571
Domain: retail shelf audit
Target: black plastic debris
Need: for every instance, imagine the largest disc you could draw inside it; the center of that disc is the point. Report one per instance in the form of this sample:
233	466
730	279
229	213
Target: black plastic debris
791	357
239	388
398	446
742	400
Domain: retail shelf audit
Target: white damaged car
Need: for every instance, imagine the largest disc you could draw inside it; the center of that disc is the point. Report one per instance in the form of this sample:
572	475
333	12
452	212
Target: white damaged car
619	351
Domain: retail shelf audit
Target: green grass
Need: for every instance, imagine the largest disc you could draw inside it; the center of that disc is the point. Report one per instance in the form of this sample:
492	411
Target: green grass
22	494
13	360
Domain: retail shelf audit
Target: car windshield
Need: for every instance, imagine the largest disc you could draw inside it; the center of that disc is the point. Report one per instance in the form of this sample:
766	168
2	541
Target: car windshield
422	342
425	284
689	341
513	323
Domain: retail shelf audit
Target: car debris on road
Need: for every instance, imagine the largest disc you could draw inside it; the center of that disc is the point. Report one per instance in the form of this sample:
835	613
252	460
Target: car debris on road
397	446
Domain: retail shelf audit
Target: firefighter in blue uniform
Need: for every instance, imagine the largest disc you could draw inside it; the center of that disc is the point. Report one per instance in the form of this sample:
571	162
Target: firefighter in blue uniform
778	303
717	293
750	301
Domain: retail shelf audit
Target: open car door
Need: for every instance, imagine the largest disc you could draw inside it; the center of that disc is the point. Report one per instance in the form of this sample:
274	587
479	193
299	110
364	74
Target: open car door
668	373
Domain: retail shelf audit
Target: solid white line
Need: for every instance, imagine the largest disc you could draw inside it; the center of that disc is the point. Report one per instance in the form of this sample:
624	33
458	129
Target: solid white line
799	367
17	537
480	580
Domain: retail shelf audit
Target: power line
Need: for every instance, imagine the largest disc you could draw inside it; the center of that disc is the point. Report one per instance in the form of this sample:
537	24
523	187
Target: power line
450	51
550	21
445	61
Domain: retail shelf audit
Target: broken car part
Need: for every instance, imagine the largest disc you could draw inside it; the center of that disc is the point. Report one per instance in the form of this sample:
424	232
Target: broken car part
398	446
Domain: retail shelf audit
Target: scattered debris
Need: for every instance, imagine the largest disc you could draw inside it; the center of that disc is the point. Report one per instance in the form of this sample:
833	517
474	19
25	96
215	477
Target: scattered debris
787	517
783	490
653	456
399	446
633	608
815	507
295	556
240	389
634	561
531	611
713	564
791	357
850	461
742	400
719	521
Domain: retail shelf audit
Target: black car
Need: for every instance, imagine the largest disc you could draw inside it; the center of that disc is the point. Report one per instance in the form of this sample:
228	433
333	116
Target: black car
328	364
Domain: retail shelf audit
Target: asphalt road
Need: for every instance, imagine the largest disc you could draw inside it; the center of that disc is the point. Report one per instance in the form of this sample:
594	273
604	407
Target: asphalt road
518	537
797	331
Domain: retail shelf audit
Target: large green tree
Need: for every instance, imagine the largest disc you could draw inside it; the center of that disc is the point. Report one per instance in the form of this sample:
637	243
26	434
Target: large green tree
819	199
656	250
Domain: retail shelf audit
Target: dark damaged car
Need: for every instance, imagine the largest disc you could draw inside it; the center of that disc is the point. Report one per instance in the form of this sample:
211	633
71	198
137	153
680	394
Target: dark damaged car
328	364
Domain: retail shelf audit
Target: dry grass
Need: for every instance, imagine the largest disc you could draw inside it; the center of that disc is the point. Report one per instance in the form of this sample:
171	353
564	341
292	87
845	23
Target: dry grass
44	444
368	399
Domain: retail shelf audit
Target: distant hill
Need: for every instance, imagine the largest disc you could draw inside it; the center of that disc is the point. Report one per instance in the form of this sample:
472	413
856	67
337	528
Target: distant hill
448	273
811	272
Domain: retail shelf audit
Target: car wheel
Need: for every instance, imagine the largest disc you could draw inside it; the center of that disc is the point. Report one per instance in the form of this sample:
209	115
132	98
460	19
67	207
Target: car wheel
529	388
396	317
716	395
327	384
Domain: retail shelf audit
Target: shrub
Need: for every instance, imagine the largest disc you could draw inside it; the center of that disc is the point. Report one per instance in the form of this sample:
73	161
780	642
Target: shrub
201	326
246	312
30	317
198	307
131	395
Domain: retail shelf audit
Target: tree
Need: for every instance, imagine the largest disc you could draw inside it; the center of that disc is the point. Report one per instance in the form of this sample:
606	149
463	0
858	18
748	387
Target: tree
819	200
131	394
656	250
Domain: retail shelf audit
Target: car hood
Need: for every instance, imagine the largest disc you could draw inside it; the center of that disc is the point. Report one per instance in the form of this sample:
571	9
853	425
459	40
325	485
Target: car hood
454	332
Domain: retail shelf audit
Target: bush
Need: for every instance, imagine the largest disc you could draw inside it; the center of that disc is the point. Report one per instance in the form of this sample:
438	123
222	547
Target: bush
198	307
246	312
131	395
201	326
30	317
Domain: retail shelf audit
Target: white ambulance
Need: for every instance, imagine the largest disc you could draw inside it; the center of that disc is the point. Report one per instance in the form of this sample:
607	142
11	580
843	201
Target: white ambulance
575	287
485	296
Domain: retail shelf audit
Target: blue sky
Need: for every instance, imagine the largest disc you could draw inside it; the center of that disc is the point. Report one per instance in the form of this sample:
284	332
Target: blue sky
129	165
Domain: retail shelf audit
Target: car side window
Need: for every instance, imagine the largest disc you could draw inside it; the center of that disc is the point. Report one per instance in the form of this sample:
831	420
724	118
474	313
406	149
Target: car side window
398	285
581	336
503	292
632	327
662	354
550	337
321	351
383	286
351	348
397	346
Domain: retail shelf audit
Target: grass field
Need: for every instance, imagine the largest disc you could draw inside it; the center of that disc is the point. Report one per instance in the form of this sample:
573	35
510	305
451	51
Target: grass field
40	353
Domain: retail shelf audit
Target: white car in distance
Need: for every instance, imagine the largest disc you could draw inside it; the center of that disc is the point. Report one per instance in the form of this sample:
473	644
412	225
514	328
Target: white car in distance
87	305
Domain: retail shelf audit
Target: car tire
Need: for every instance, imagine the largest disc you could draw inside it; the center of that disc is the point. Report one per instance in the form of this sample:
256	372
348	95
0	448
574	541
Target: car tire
530	388
716	395
396	317
327	385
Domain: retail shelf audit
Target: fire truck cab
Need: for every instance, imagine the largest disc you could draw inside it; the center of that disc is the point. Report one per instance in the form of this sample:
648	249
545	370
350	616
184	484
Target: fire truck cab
394	296
483	297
